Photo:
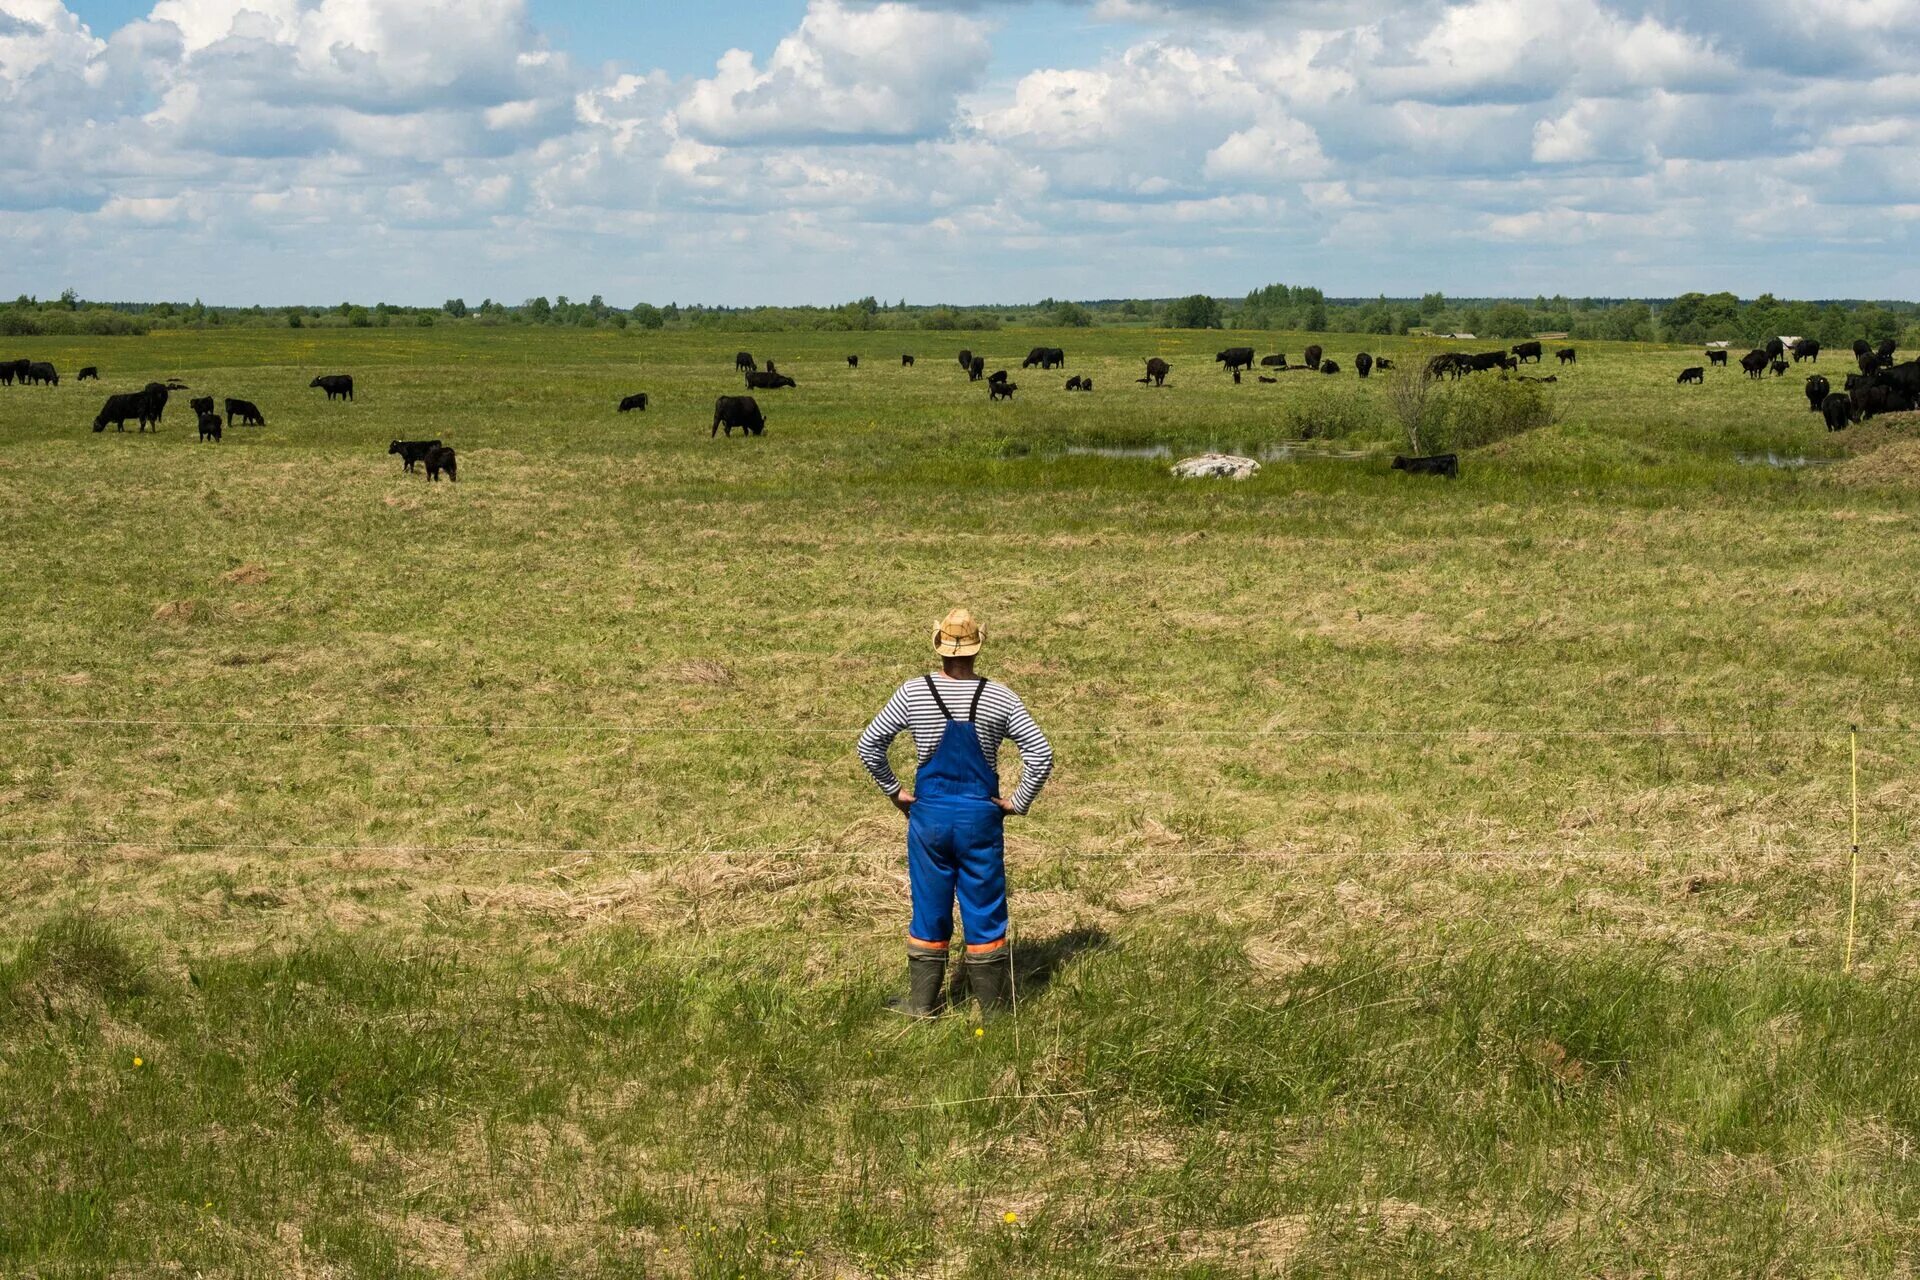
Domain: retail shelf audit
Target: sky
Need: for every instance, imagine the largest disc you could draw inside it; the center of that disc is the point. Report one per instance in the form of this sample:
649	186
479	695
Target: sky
814	151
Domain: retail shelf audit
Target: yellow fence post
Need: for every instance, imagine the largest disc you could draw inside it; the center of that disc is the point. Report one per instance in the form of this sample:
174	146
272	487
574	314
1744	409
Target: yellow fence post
1853	893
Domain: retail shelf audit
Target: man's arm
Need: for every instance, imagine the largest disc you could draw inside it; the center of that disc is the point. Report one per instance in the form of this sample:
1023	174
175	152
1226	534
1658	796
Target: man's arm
878	736
1036	755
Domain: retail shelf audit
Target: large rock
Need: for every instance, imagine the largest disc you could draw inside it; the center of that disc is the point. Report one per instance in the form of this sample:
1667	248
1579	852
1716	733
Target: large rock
1224	466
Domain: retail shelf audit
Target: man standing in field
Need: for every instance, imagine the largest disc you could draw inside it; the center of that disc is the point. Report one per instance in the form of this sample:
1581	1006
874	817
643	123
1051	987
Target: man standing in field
956	841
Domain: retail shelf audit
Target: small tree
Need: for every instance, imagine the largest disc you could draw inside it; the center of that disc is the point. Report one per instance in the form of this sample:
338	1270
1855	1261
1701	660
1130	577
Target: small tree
1409	398
1196	311
1072	315
456	307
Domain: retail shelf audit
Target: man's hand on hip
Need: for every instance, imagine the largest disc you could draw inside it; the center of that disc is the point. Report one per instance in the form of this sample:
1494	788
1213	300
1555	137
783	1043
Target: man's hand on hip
1006	806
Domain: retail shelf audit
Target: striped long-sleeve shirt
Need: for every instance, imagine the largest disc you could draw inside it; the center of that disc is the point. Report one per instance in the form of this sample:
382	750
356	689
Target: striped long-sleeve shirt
1001	715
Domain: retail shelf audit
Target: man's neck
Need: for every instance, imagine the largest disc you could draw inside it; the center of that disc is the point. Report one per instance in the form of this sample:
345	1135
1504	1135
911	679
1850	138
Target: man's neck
957	668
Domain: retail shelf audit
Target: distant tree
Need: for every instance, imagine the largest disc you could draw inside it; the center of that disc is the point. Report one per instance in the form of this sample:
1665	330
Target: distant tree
648	316
539	310
294	320
455	307
69	299
1471	321
1508	320
1433	304
1072	316
1195	311
1315	321
359	318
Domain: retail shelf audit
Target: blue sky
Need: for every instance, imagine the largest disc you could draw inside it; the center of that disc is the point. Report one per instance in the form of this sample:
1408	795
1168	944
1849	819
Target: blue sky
966	150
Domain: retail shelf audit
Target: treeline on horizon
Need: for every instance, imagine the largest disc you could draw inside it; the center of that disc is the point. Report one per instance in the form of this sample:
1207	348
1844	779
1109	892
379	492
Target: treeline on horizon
1690	317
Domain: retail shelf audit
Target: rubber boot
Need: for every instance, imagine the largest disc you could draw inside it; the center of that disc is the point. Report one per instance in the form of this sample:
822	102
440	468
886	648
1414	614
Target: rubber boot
926	982
990	979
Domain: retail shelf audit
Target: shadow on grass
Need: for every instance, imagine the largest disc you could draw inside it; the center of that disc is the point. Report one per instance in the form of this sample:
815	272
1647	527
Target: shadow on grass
1036	961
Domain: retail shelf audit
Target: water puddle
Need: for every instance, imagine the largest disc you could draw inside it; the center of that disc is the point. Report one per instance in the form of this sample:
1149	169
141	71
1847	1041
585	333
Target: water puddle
1266	453
1782	461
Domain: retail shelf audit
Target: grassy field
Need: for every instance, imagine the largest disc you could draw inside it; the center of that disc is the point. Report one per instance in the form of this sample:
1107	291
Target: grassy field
477	880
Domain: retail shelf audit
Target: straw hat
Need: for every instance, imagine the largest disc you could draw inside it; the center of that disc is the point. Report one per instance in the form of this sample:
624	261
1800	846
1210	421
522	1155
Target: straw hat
959	636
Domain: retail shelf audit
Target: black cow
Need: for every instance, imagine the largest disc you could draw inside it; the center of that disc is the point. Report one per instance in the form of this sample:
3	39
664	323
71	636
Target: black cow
1876	398
1042	356
155	396
743	362
1806	349
210	427
200	405
1525	351
1717	358
441	458
334	384
1869	362
638	402
738	411
1775	348
42	373
906	362
977	369
1001	390
1363	364
1265	378
1439	464
1695	374
245	410
770	368
1157	371
1278	361
1837	409
1451	363
10	370
1235	358
411	451
1073	383
1236	377
1567	355
1818	389
853	362
1312	357
1491	360
1382	362
1905	377
1329	366
1885	350
998	375
89	373
966	359
1778	368
121	407
769	381
1755	363
1861	347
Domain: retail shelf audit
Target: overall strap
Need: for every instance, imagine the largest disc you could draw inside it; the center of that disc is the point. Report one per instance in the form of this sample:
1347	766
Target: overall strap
973	709
936	698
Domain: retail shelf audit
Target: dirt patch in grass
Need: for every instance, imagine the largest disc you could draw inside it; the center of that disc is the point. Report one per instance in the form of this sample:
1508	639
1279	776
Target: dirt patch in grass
246	575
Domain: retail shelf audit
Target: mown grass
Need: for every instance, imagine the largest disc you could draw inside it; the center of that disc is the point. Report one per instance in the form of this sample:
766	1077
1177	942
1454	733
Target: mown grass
483	879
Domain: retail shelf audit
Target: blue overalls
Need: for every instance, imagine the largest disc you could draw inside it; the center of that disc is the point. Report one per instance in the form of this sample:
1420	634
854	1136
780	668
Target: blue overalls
956	838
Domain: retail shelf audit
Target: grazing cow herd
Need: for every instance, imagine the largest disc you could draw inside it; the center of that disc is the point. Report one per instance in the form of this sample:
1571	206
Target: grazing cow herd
1880	386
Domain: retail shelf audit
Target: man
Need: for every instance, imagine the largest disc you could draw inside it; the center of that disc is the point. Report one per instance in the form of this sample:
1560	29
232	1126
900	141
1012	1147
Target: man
956	842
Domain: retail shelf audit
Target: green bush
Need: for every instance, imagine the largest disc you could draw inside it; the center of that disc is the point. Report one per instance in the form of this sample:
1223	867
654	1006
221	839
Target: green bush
1480	409
1323	413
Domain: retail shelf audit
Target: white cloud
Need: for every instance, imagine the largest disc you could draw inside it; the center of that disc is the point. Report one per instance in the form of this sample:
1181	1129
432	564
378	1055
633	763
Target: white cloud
892	71
293	148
